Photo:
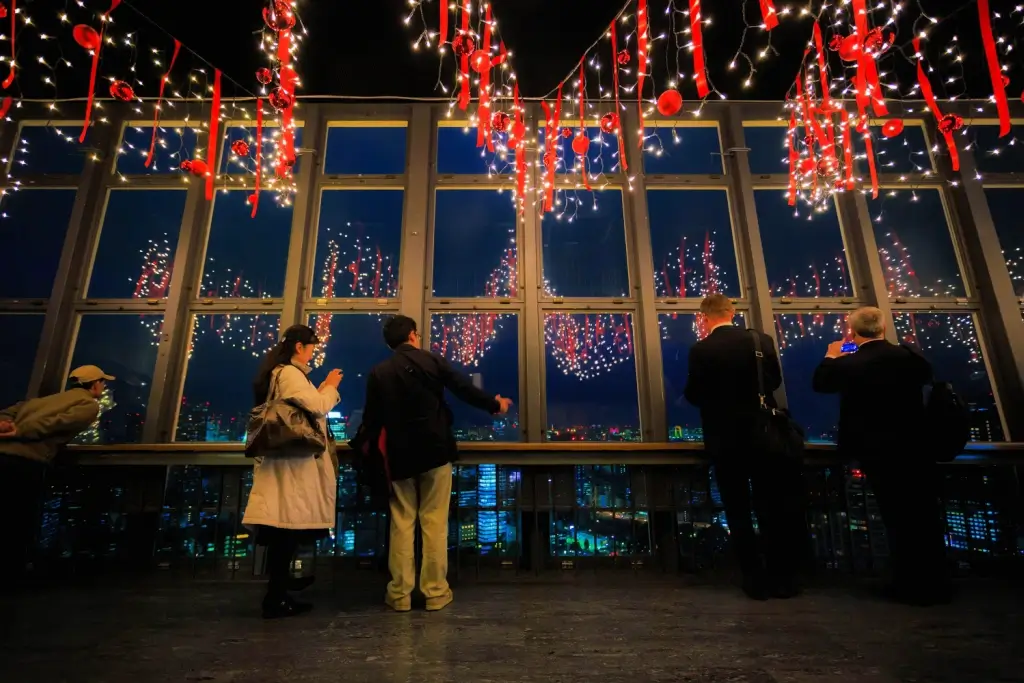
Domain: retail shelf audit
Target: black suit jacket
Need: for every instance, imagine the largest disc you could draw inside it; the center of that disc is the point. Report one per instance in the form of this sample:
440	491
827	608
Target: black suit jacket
722	382
881	400
405	396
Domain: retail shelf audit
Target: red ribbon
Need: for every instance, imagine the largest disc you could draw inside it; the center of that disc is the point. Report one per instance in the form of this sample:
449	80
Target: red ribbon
929	97
286	160
698	50
615	84
92	73
998	89
641	61
519	130
159	98
826	98
551	133
809	123
259	156
794	157
214	125
483	123
14	26
464	61
443	37
768	14
867	69
583	130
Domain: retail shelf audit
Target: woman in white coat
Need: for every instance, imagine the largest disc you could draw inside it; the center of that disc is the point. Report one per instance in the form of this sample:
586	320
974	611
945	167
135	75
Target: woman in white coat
293	498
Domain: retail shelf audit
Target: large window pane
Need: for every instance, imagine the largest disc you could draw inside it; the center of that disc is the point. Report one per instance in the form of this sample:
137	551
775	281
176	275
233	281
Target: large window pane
457	153
915	246
272	136
804	255
32	229
769	149
585	247
484	346
49	149
679	332
353	342
173	146
475	250
18	345
137	242
681	149
124	346
691	240
224	353
993	154
373	150
803	339
1005	205
246	257
950	342
590	373
905	153
358	244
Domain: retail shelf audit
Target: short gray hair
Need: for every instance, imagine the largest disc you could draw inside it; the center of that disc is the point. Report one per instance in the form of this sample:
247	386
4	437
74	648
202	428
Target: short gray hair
867	322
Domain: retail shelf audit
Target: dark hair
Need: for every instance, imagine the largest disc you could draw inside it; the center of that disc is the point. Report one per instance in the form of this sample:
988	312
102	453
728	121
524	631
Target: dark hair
280	354
397	330
84	385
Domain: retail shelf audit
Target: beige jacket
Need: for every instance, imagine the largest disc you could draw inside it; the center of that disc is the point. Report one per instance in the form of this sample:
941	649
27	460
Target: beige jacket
47	423
296	492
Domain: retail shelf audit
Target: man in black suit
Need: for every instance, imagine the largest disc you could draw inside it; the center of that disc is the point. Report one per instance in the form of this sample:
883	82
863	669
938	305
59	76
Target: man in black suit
881	423
723	383
405	400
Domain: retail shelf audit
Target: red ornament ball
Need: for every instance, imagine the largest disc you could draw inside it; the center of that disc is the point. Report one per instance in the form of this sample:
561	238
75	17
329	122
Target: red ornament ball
280	99
670	102
950	123
196	167
877	41
566	132
581	143
622	58
480	61
278	16
500	121
264	75
86	36
610	122
463	45
240	148
120	90
892	128
3	11
849	48
835	43
828	167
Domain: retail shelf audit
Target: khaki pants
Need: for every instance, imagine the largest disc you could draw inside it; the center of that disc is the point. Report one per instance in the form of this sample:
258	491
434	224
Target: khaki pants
430	504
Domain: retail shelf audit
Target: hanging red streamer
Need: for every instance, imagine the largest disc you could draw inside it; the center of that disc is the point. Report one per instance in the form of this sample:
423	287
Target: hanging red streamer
700	74
929	97
583	130
214	126
550	146
259	156
92	73
14	27
994	72
464	60
287	75
867	69
769	15
159	99
615	84
483	124
641	61
519	130
794	157
443	36
826	97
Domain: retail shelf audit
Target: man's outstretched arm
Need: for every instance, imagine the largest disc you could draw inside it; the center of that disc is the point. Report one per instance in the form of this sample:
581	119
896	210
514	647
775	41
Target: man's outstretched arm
464	389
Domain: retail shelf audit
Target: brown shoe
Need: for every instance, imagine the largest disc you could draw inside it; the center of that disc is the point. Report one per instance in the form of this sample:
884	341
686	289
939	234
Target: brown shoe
398	604
439	603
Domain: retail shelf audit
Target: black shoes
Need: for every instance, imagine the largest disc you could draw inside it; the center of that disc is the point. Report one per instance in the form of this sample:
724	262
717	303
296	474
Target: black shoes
301	583
786	588
759	587
756	588
283	606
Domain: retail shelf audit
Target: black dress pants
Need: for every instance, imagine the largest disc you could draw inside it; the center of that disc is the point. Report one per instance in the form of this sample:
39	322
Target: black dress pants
21	488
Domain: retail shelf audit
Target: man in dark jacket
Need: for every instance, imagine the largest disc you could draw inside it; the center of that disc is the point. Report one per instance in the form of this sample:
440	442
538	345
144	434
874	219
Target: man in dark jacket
881	423
405	400
723	383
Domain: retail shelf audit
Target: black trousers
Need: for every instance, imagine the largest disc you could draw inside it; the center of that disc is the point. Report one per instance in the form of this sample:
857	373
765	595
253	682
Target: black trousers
774	491
21	488
281	544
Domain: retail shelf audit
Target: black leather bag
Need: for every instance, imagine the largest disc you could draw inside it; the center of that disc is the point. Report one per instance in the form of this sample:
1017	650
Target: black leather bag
280	427
776	434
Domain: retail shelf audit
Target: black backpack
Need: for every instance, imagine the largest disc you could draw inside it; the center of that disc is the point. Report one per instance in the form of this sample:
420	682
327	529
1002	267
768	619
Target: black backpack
947	422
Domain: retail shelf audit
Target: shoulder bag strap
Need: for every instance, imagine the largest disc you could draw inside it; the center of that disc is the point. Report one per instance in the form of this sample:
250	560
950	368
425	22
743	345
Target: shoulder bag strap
759	357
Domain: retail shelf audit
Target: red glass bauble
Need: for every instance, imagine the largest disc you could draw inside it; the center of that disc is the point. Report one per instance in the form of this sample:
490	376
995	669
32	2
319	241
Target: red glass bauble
278	16
3	11
670	102
240	148
280	99
828	167
892	128
480	61
86	36
500	121
120	90
264	75
950	123
463	45
623	57
849	48
835	43
196	167
609	122
580	144
566	132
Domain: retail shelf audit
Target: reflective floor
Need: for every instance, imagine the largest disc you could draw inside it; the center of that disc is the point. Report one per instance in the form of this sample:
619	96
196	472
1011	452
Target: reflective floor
612	628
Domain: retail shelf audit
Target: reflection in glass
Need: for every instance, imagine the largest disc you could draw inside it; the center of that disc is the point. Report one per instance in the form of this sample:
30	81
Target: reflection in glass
591	377
915	246
135	255
124	346
950	342
682	149
246	257
585	247
46	149
484	346
18	344
475	251
804	255
353	342
1005	205
358	244
905	153
803	339
457	153
224	353
691	240
273	137
173	146
373	150
32	229
485	525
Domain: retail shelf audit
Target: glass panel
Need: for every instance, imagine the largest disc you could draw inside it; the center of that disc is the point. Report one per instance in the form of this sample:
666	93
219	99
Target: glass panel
950	342
358	244
173	146
124	346
993	154
915	246
681	149
224	353
591	377
49	149
602	156
905	153
804	255
803	339
457	153
475	250
18	348
353	342
135	255
679	332
1005	205
246	257
691	240
484	346
769	149
585	248
233	163
373	150
32	230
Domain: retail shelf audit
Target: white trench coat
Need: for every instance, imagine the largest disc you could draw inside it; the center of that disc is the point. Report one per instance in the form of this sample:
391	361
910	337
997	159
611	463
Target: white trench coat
296	492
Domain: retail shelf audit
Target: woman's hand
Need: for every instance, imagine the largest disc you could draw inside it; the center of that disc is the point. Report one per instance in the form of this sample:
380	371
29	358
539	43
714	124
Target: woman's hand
333	379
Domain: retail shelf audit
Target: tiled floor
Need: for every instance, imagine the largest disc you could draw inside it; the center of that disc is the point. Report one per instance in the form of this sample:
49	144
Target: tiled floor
613	628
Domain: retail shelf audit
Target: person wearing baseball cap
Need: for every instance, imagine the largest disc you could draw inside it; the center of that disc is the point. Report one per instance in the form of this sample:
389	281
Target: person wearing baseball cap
32	432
